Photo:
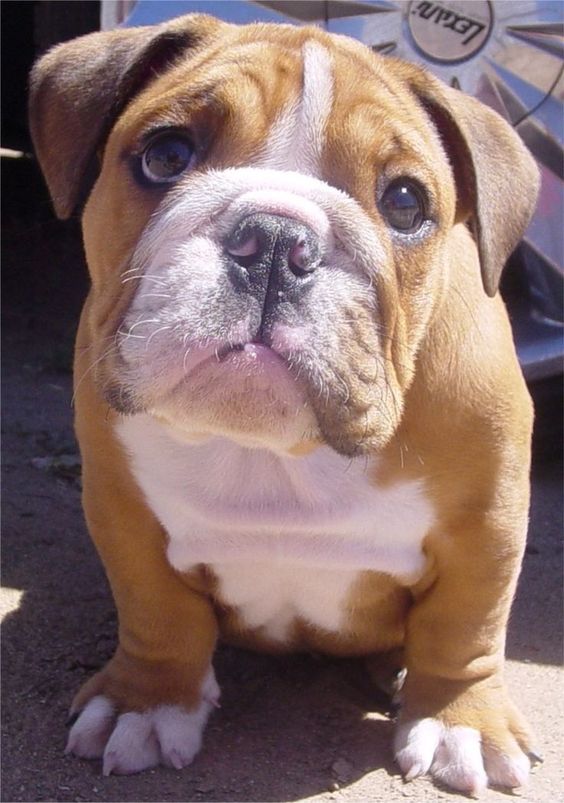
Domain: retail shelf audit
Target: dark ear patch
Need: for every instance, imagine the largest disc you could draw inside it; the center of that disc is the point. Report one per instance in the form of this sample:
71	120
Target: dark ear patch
79	89
496	177
459	157
159	56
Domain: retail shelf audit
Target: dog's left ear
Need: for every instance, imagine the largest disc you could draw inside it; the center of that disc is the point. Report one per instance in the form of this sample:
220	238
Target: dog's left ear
497	179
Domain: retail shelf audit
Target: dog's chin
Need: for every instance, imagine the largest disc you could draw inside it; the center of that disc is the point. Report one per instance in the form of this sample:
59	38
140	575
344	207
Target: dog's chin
247	395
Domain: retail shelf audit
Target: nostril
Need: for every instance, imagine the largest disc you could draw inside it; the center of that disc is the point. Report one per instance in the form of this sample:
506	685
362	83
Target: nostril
300	259
246	248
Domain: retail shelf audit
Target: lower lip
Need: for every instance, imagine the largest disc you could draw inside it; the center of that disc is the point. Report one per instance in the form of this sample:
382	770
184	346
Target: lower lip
254	359
251	360
253	352
255	370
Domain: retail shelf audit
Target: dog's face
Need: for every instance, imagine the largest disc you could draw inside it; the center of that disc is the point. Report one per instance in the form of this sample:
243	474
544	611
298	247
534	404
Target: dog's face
281	234
267	236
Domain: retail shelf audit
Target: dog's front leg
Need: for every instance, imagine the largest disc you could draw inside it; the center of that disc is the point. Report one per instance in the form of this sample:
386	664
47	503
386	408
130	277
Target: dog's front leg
457	721
150	703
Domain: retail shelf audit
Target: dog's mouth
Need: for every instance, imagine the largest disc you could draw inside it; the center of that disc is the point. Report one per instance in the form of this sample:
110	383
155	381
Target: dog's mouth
244	391
225	350
252	367
254	353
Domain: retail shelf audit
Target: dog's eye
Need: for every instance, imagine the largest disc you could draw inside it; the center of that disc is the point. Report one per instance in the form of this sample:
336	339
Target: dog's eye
166	157
403	205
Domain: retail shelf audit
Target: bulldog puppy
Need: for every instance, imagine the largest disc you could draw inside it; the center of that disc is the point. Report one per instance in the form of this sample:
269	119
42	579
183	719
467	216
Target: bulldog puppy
302	420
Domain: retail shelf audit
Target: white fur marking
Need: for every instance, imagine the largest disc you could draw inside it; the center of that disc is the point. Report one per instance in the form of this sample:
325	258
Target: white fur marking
166	734
456	757
297	137
317	99
272	595
279	150
287	536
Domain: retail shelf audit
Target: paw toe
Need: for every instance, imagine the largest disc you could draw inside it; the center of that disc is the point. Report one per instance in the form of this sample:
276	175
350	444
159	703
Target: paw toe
507	770
458	761
179	733
132	747
415	746
91	729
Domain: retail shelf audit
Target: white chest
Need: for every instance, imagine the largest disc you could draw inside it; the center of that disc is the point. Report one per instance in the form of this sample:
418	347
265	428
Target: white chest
286	536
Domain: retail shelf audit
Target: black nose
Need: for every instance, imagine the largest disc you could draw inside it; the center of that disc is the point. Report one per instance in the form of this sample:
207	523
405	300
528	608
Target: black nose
264	244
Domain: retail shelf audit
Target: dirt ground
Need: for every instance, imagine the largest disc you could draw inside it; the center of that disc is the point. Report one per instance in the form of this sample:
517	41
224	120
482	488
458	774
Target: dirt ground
290	729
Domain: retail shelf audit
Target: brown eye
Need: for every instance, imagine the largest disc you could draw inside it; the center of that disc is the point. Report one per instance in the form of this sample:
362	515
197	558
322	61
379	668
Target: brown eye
167	157
403	205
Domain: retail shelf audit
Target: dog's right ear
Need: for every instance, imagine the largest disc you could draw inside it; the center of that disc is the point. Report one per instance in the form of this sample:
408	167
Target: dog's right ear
79	88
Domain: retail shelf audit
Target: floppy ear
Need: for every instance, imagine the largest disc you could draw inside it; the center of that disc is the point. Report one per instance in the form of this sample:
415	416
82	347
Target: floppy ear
79	88
497	179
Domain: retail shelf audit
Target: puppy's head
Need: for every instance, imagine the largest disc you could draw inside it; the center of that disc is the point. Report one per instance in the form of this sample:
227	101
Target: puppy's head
267	221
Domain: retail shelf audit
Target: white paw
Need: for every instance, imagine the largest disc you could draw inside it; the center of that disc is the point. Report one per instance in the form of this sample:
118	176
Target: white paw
456	757
131	742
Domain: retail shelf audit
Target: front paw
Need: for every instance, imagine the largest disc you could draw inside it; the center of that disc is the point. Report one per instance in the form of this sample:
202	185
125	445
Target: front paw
458	756
473	739
133	741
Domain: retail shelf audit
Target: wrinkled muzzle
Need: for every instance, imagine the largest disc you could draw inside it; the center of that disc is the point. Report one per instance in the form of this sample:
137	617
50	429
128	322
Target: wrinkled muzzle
256	315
